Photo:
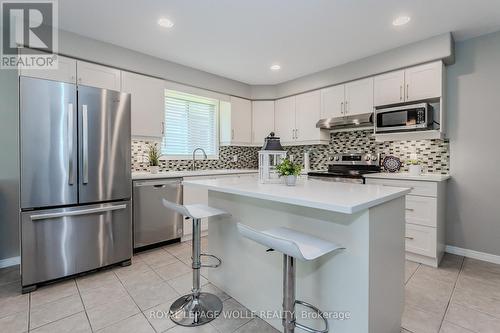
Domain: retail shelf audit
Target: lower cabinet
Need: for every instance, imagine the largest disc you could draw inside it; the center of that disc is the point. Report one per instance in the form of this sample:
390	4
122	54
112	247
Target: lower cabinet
425	219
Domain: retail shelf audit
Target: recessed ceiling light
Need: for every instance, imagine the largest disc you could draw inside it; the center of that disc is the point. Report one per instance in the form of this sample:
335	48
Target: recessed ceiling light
401	20
165	23
275	67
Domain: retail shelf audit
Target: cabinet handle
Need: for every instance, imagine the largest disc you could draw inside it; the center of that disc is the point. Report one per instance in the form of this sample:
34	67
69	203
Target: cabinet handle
232	134
410	238
341	107
407	91
410	209
400	93
162	128
346	109
296	133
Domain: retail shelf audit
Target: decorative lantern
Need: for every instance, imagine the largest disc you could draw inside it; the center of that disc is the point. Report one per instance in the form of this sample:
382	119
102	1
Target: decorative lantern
271	154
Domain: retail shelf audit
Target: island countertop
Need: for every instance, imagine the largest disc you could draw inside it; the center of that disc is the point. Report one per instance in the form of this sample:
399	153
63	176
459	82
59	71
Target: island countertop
332	196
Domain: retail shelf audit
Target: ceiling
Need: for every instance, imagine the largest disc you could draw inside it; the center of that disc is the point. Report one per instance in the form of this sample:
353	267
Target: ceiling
241	39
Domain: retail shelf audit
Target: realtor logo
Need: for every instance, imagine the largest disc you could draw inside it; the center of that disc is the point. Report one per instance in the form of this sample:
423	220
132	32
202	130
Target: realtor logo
29	34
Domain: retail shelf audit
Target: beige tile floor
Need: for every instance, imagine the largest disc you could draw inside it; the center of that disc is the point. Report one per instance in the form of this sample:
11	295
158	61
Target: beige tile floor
460	296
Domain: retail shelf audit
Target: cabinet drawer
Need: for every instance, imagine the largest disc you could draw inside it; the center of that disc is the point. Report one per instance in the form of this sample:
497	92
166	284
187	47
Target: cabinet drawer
418	187
421	240
421	210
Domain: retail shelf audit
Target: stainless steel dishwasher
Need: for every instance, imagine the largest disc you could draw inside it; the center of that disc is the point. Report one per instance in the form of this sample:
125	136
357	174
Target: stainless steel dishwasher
153	223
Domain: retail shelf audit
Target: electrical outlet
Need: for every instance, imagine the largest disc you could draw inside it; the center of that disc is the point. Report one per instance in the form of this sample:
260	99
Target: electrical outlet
235	158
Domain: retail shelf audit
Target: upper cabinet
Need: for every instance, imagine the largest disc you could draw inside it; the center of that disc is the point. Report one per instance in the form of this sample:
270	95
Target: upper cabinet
296	117
262	120
284	119
148	104
348	99
236	122
93	75
412	84
358	97
424	82
332	102
65	72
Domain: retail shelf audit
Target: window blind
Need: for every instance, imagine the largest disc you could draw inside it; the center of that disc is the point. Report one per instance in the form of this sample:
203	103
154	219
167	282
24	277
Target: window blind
190	122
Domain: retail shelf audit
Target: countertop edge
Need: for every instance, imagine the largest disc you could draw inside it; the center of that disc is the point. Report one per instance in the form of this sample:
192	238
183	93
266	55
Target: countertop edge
187	174
310	204
405	176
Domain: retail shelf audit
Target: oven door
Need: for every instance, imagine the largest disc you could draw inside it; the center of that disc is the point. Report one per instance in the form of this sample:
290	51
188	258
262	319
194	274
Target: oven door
399	119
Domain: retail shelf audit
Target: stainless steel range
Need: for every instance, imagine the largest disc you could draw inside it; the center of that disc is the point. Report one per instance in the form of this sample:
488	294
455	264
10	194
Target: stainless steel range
348	168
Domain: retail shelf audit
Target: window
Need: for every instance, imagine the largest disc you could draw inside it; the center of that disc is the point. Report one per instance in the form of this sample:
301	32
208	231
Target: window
190	123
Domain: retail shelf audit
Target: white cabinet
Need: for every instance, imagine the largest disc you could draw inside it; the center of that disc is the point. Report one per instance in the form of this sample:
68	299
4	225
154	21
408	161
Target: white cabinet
389	88
423	82
262	120
65	72
332	102
98	76
412	84
296	118
148	104
358	97
285	119
307	114
236	122
425	218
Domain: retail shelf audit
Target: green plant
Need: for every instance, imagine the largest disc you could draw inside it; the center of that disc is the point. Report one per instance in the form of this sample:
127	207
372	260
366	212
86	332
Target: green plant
412	162
288	168
153	155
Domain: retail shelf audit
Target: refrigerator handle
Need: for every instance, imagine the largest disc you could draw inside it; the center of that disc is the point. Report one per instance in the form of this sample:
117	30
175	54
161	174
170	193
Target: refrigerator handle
85	144
71	178
86	211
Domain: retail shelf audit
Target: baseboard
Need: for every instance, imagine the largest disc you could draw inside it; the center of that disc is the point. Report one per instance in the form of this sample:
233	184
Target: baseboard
10	262
473	254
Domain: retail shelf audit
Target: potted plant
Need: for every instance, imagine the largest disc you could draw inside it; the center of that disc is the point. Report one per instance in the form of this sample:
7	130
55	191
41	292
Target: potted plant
414	167
289	171
153	158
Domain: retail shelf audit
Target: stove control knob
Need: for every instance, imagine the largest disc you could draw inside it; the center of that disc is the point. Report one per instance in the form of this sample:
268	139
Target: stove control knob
368	158
374	158
336	158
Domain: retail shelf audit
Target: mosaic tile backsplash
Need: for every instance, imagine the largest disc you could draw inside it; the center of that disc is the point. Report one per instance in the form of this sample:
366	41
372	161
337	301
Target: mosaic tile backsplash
433	154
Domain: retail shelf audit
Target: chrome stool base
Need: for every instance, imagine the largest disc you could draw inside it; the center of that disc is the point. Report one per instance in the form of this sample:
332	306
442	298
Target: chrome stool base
191	310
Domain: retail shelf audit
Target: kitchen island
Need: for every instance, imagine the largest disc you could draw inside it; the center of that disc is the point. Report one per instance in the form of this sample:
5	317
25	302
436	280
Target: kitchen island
360	288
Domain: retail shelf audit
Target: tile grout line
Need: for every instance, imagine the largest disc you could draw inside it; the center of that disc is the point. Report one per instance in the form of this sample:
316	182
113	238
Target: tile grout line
452	293
84	307
412	274
133	300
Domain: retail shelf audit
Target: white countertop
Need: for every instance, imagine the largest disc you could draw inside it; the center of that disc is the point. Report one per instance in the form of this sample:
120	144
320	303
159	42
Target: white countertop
429	177
182	174
333	196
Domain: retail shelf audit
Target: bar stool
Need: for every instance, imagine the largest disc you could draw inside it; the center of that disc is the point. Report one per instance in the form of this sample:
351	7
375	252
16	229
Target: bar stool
292	244
197	308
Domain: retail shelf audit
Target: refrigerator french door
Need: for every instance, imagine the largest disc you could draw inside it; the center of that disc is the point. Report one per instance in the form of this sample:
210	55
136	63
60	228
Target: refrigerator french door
75	179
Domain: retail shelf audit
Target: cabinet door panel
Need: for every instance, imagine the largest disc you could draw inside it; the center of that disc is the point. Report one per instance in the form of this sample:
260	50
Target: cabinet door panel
241	120
262	120
307	113
332	102
423	82
148	104
359	97
285	119
389	88
98	76
65	72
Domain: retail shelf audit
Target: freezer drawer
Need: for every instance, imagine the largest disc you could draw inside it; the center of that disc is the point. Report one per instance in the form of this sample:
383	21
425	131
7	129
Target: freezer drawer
153	223
61	242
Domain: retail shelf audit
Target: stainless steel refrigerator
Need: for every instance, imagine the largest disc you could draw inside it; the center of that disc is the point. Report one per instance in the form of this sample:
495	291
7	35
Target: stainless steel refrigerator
75	185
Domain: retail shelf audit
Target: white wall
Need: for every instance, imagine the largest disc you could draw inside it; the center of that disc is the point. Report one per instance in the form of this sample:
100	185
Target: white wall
474	119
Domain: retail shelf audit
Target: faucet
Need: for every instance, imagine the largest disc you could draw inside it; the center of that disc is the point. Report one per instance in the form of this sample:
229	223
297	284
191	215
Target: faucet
194	153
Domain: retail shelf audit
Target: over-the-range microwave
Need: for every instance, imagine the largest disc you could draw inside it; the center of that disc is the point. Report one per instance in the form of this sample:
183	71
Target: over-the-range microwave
404	118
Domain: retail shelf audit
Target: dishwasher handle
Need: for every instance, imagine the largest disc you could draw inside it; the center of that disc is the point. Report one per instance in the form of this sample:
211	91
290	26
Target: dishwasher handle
158	184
